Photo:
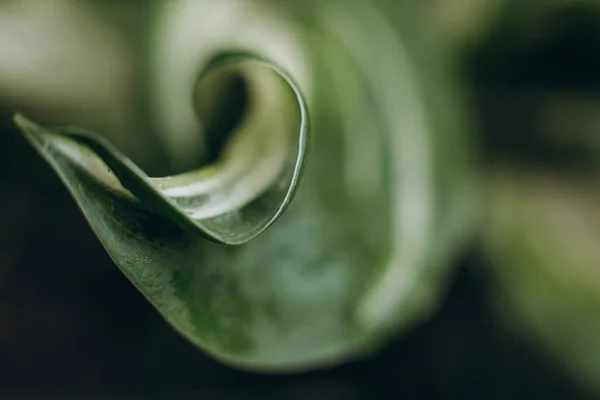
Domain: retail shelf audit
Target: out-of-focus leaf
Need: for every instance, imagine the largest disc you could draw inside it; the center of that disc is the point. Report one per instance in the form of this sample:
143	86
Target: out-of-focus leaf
462	23
39	41
542	226
385	200
542	242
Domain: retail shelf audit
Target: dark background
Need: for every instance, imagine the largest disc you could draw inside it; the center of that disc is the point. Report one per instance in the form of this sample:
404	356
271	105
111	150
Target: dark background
72	326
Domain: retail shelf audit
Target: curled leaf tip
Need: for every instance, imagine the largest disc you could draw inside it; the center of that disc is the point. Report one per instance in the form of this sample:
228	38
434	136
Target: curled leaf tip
231	200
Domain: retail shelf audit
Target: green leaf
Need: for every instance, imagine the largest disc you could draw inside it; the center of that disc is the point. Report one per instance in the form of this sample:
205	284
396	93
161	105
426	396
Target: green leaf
385	201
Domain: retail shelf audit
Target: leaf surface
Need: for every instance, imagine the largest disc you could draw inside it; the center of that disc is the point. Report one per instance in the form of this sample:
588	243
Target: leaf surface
384	201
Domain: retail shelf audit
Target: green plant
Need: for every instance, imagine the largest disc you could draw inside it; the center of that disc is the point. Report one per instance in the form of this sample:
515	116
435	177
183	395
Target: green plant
383	198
